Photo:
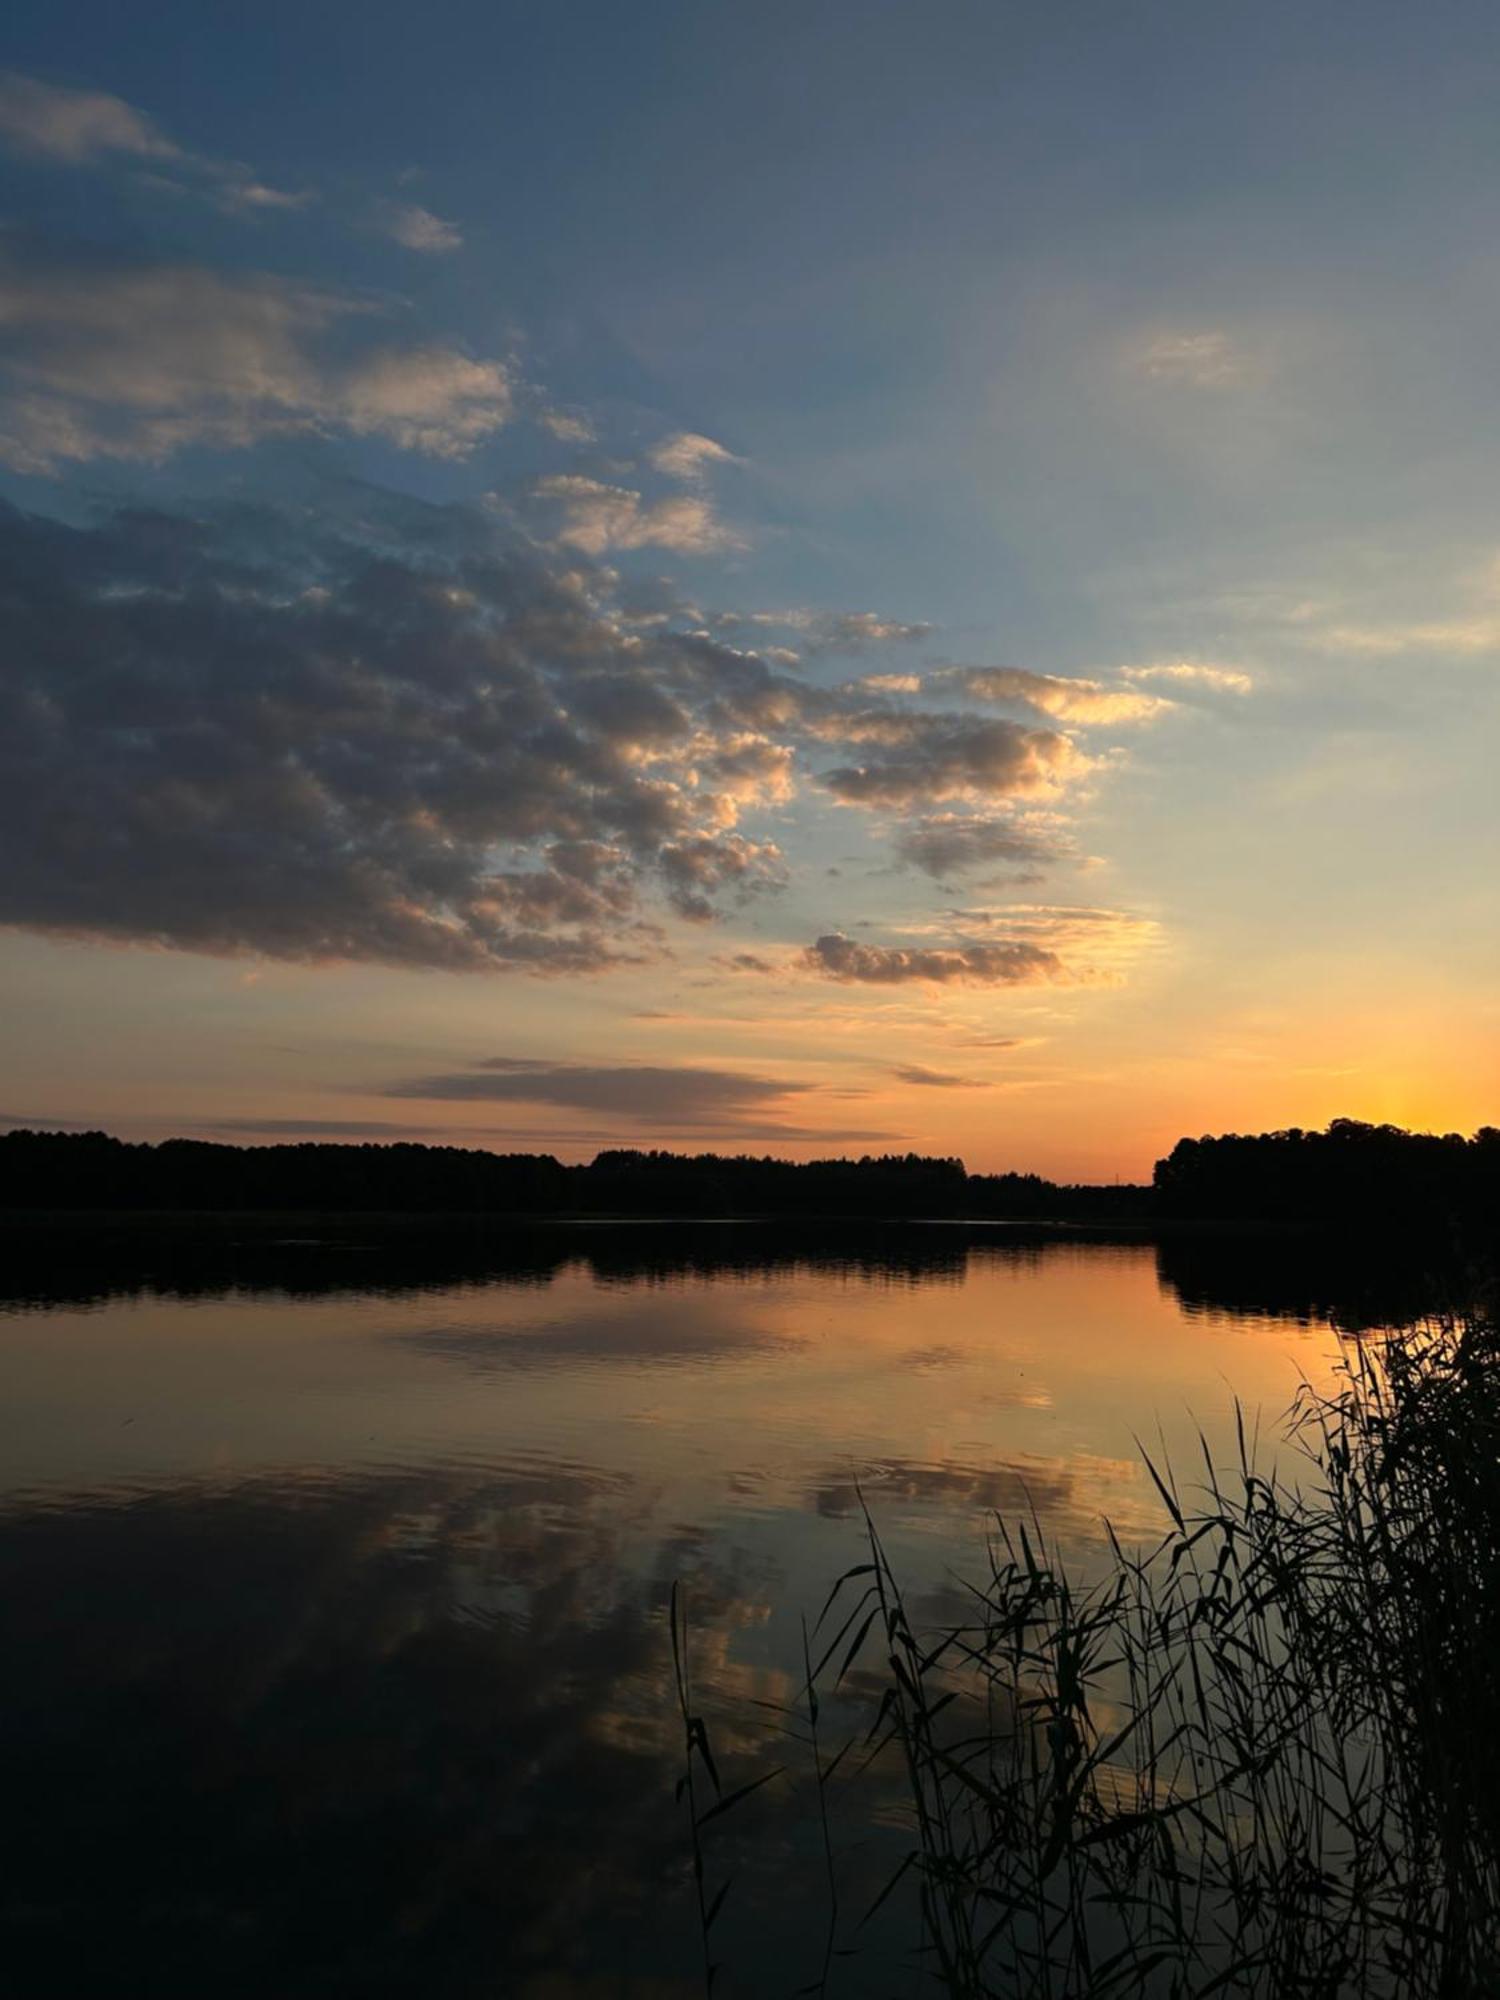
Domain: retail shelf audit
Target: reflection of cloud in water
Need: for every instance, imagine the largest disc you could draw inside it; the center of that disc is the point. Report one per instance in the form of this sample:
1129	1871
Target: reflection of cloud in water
370	1738
702	1328
1070	1497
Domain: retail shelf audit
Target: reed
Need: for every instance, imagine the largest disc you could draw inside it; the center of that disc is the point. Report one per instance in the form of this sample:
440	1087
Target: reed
1259	1758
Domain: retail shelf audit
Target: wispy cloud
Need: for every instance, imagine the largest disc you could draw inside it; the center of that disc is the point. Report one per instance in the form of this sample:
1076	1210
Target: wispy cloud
1087	702
417	228
597	517
688	456
1198	358
935	1079
76	126
667	1095
79	128
1187	675
103	359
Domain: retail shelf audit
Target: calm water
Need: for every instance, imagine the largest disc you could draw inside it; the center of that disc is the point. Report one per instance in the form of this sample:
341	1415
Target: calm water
334	1576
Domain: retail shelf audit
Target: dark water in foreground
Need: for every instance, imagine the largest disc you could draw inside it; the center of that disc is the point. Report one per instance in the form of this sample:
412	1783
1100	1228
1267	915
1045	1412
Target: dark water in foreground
333	1579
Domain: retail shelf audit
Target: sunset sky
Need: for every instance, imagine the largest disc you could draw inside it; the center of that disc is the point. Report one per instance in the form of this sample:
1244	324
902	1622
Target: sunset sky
798	578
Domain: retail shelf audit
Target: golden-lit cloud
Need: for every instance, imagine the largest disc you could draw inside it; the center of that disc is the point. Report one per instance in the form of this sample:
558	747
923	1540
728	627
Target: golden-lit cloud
688	456
597	517
1185	675
1088	702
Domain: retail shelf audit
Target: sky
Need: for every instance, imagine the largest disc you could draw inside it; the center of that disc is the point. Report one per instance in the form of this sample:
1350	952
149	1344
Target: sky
797	578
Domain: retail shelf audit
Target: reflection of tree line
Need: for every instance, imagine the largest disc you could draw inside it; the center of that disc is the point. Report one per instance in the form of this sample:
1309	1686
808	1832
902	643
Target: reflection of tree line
1311	1276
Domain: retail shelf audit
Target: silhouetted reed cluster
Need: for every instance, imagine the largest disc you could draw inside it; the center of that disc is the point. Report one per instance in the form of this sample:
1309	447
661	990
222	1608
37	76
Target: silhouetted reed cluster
1261	1758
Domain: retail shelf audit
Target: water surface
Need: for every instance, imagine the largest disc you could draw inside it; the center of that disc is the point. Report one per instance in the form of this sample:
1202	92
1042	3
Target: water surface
334	1572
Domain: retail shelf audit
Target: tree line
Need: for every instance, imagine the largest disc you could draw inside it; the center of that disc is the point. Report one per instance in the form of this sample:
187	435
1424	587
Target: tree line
1351	1172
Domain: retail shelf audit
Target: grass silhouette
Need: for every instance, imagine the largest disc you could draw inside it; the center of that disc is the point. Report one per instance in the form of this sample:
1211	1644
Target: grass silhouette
1259	1758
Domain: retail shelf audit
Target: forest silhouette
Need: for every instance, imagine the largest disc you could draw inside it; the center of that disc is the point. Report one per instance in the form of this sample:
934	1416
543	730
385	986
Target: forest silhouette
1351	1173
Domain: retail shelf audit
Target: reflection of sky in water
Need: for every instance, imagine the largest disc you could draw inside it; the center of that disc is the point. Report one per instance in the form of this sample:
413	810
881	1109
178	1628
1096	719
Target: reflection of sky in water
339	1661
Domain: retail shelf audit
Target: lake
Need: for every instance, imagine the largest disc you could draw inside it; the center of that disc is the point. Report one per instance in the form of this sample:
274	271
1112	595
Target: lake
335	1570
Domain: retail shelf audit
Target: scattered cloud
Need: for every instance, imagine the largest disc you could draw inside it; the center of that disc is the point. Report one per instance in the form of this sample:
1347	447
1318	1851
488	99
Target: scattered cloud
598	517
849	632
922	757
1017	963
75	126
945	844
137	361
1021	944
255	734
568	426
1067	700
688	456
417	228
409	734
1192	673
90	127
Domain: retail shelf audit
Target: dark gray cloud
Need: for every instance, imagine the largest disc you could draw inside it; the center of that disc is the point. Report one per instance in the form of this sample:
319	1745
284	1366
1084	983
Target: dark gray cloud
657	1094
417	744
935	1079
944	844
920	756
369	729
1012	963
318	1128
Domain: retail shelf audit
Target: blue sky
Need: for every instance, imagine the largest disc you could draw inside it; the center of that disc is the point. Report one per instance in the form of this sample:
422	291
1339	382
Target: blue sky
1079	419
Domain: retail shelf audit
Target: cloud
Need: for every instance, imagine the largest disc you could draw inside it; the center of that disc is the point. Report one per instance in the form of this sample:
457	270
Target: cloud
1017	963
1068	700
113	360
687	456
256	732
417	228
1206	359
568	426
822	632
87	127
699	869
384	731
75	126
1038	943
1468	638
935	1079
1186	675
251	197
945	844
317	1128
656	1094
926	756
892	683
597	518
